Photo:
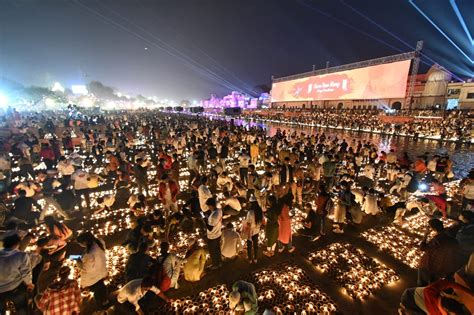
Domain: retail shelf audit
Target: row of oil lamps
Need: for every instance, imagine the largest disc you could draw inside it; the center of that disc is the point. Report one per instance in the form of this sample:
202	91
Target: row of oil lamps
359	274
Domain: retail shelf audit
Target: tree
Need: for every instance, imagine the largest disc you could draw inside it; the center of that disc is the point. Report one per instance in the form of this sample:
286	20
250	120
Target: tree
101	91
37	93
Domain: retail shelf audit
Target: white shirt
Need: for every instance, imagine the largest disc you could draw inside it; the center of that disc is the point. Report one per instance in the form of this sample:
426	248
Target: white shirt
204	194
244	160
80	182
132	292
93	266
215	219
232	202
231	243
250	220
224	181
65	168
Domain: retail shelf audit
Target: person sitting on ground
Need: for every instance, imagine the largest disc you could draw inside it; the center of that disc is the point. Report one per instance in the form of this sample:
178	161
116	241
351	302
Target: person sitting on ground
311	223
224	182
93	267
441	255
231	242
138	204
243	298
434	299
105	203
139	263
196	258
230	205
59	234
172	264
23	208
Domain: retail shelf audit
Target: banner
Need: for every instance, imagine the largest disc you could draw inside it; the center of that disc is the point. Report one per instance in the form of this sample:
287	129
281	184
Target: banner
375	82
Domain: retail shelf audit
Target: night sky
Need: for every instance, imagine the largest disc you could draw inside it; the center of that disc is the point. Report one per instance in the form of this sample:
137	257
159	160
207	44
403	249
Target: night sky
187	49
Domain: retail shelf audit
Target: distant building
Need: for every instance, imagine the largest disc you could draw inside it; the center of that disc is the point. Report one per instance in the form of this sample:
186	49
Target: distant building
433	89
460	95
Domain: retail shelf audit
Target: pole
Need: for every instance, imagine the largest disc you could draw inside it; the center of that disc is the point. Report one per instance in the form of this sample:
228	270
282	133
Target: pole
414	72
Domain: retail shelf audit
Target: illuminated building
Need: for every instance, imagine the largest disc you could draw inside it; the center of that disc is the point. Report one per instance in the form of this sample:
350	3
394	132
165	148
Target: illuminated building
382	83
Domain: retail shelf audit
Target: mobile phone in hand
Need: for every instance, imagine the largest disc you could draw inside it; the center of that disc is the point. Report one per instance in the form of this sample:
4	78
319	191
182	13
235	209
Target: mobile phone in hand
75	257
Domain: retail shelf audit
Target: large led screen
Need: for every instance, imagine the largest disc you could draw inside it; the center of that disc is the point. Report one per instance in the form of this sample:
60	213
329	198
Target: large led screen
375	82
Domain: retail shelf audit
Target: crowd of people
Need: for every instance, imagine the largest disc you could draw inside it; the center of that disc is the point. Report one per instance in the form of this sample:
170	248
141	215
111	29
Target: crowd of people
452	125
241	193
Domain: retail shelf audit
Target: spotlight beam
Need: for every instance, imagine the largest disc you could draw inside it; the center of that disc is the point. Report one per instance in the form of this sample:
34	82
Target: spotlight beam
397	37
440	30
461	20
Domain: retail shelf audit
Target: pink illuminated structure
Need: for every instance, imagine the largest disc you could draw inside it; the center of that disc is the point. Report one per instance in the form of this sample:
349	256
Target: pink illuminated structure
234	99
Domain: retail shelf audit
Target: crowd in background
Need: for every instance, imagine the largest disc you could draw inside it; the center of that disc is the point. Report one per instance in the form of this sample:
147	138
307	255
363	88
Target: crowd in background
451	125
239	188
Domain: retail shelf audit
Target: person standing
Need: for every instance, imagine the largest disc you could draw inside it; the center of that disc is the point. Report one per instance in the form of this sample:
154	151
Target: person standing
254	152
271	226
284	225
467	191
93	267
244	161
214	233
168	190
193	168
323	201
141	176
80	182
204	194
329	170
250	230
286	172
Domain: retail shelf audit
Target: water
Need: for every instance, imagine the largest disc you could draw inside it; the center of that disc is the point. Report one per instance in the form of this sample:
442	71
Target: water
462	155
